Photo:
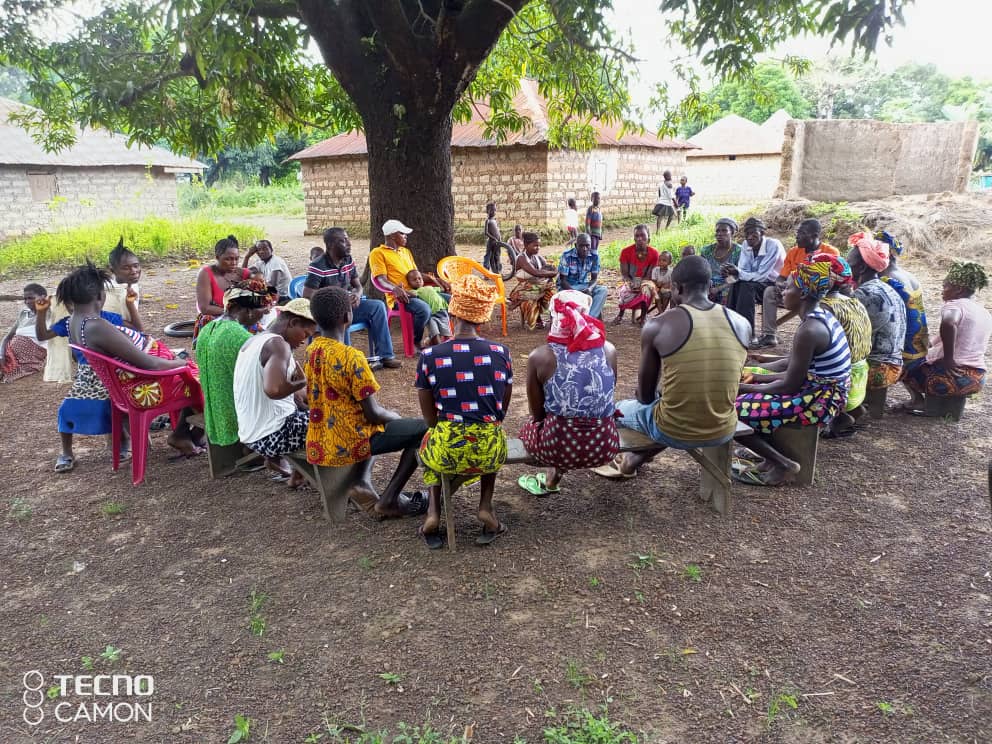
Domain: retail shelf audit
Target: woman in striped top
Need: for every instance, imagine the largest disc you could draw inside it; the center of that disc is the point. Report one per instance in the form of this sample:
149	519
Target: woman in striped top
809	386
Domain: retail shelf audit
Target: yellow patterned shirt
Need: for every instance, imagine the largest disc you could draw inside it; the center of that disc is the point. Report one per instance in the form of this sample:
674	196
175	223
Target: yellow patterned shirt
339	379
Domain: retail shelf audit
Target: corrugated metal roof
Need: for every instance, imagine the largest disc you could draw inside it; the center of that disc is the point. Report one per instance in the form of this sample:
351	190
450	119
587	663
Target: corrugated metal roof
93	148
735	135
529	103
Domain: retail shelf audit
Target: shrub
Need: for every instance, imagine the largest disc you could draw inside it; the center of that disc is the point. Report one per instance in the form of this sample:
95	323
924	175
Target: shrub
284	199
153	236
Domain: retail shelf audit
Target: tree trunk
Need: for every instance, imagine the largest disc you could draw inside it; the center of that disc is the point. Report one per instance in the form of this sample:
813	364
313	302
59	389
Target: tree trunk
412	183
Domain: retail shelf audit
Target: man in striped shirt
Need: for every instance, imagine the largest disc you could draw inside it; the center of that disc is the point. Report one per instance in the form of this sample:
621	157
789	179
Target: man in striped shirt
336	268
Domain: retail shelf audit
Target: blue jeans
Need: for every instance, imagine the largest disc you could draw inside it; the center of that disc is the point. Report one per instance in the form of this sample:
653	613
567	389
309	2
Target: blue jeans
373	313
640	417
421	313
599	293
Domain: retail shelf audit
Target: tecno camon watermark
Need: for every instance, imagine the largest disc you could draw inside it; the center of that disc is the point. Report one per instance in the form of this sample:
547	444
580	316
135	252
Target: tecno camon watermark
88	698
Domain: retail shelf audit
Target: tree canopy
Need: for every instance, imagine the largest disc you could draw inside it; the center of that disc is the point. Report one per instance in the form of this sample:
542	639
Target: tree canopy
203	74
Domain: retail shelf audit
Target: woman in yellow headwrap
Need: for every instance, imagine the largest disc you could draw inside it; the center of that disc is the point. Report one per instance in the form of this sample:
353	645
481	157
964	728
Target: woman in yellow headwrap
808	387
464	387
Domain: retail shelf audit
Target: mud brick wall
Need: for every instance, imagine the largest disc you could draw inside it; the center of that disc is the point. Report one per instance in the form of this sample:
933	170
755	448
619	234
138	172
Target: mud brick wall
42	199
719	180
528	183
856	159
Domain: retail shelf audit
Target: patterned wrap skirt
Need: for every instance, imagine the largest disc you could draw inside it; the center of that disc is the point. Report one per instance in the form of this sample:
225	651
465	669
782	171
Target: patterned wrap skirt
629	298
23	357
816	404
932	379
462	449
534	298
882	375
571	443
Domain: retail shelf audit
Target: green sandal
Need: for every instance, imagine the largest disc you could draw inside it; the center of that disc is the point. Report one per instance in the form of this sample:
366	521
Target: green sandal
536	484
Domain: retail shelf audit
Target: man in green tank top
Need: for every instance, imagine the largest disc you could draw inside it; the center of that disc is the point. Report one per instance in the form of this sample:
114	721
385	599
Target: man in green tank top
697	351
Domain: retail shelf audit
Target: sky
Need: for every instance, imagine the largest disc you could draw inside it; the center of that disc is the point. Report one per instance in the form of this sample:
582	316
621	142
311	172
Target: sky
952	34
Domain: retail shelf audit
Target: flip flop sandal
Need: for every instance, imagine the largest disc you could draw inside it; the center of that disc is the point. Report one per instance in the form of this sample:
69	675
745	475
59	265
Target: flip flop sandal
160	423
536	484
612	471
64	464
413	503
749	477
740	464
280	478
125	455
486	537
433	540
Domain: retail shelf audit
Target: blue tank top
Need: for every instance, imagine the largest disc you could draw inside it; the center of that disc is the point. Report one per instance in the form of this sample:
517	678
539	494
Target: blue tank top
582	385
834	362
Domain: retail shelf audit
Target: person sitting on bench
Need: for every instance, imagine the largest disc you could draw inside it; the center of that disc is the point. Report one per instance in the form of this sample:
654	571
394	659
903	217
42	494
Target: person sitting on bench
955	365
697	349
570	382
885	308
347	423
270	389
809	387
464	387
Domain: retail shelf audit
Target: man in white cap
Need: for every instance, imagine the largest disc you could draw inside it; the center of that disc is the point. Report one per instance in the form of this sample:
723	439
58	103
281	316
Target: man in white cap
390	263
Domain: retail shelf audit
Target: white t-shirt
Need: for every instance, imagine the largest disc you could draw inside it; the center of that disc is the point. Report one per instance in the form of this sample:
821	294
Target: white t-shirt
666	194
26	326
571	218
258	414
270	267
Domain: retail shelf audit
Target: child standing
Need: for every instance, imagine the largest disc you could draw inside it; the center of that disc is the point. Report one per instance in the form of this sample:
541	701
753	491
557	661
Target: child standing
21	352
439	324
682	195
571	221
661	275
594	221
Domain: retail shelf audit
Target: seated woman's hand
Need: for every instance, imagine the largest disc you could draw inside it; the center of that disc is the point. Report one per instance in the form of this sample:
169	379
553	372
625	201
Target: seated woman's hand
131	297
747	378
42	303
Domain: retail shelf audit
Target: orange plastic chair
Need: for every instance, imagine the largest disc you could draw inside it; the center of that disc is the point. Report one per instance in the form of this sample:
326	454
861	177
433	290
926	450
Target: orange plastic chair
451	267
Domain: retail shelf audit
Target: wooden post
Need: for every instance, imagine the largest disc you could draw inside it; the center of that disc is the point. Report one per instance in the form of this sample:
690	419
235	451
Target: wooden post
447	496
875	402
945	407
799	443
716	491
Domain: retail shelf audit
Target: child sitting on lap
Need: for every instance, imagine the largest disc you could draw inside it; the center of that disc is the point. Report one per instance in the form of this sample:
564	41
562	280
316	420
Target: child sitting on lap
661	275
439	324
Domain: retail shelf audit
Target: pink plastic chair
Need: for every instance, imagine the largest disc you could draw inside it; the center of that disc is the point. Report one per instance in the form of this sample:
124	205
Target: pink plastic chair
406	321
140	418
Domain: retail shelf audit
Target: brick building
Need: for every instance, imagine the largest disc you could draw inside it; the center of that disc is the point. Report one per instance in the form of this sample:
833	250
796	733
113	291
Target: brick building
528	180
737	160
98	178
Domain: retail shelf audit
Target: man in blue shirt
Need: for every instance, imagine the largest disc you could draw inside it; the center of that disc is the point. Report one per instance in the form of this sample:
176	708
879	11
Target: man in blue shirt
759	266
579	270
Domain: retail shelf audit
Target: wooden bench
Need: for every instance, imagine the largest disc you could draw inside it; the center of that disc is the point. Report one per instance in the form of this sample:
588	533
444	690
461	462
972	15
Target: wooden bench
223	459
714	481
945	407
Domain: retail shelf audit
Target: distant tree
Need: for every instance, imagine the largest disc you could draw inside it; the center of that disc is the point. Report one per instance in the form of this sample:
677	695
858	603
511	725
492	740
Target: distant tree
770	87
263	162
14	84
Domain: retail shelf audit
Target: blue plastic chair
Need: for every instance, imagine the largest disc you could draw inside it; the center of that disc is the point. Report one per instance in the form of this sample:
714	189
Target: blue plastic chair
296	287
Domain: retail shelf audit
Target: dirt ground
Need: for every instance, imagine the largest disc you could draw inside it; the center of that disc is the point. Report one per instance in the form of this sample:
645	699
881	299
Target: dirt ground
856	610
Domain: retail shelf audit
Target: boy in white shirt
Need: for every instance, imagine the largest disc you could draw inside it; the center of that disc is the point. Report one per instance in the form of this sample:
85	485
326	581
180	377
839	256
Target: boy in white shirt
273	268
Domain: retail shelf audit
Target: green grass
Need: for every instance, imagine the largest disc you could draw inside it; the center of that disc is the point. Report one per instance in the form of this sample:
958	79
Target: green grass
229	200
151	237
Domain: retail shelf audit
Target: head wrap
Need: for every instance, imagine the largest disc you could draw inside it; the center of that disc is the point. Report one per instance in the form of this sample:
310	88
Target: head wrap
729	223
472	299
967	275
250	293
753	223
895	245
813	279
840	269
571	325
873	252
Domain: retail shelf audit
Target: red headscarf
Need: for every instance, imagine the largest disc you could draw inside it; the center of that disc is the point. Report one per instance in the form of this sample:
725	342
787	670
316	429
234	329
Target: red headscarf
571	325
